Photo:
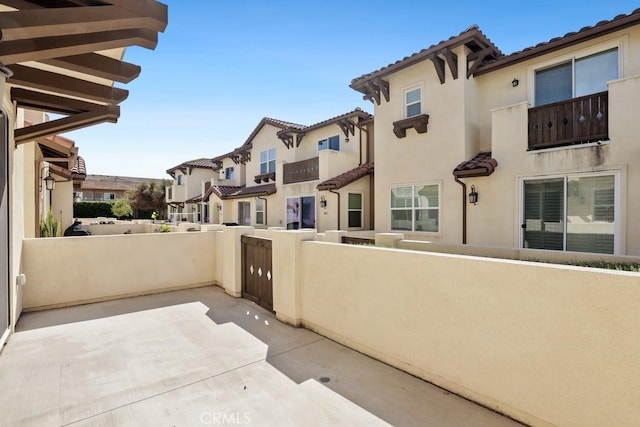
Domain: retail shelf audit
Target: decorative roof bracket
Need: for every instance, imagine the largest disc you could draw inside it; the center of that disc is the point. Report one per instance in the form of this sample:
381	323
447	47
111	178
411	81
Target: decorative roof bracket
477	58
347	127
374	89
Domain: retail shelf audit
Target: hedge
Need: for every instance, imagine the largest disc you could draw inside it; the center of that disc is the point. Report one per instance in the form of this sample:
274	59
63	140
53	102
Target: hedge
92	209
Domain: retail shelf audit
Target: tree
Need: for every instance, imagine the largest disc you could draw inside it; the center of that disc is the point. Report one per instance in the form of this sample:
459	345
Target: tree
149	197
121	208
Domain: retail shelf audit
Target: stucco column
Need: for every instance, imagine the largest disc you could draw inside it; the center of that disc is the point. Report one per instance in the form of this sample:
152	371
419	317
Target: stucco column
388	240
232	266
286	258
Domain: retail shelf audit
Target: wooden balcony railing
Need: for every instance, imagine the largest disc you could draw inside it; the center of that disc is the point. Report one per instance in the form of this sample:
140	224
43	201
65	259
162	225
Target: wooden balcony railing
576	121
305	170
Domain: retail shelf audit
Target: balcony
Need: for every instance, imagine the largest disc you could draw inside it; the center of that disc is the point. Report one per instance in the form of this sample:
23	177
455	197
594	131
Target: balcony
576	121
305	170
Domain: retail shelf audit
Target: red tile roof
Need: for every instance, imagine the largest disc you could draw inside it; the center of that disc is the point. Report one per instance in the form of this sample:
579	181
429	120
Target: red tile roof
481	165
471	36
196	163
234	192
347	177
79	166
571	38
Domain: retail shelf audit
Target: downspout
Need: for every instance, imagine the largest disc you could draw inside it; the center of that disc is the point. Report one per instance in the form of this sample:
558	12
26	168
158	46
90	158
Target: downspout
464	209
337	194
265	209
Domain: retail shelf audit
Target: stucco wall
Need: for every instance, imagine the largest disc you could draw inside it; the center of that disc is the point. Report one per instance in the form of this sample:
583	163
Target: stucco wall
71	270
545	344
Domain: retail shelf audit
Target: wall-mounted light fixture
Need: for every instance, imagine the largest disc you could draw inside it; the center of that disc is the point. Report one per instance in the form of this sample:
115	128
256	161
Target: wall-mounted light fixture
473	196
49	181
323	202
515	82
218	206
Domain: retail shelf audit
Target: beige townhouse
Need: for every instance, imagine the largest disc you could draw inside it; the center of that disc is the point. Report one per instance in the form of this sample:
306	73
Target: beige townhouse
535	149
295	176
69	70
184	195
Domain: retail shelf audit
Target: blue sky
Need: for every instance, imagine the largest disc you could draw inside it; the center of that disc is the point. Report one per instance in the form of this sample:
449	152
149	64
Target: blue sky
222	65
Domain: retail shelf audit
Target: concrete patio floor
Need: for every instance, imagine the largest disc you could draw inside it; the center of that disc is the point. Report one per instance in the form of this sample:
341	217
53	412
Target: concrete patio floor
200	357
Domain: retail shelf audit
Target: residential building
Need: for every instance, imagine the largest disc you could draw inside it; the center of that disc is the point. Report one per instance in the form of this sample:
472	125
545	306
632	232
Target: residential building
536	149
109	187
292	176
69	70
184	194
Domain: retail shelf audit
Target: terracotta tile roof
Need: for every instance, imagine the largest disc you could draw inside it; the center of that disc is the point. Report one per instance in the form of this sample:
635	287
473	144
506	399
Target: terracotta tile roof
196	199
273	122
347	177
79	167
472	37
481	165
117	183
571	38
203	163
358	112
232	192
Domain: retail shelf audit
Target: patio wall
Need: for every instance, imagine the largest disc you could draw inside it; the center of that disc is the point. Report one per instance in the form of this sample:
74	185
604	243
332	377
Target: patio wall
545	344
72	270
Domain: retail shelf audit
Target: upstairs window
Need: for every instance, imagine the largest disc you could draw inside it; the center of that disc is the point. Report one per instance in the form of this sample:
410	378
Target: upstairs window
332	143
576	77
413	102
180	179
229	173
268	161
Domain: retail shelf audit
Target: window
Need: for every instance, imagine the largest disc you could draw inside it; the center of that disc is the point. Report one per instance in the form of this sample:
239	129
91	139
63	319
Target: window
301	212
416	208
229	173
572	213
575	78
244	213
109	196
268	161
332	143
412	102
355	210
260	211
180	179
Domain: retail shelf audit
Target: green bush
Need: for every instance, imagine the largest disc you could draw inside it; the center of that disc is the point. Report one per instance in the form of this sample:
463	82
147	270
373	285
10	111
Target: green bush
49	226
121	209
92	209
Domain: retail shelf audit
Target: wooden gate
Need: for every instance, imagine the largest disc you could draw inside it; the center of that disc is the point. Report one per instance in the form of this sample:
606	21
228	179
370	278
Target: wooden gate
257	272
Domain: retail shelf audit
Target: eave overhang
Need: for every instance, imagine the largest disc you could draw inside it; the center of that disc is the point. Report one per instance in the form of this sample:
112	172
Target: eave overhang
57	54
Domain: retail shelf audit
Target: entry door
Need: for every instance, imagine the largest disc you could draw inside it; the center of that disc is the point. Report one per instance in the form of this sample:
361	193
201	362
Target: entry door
543	224
4	230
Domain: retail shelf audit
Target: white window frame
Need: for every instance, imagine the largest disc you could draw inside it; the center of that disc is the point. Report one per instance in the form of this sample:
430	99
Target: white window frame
405	105
107	197
262	202
618	237
361	210
179	179
414	208
270	157
302	196
619	42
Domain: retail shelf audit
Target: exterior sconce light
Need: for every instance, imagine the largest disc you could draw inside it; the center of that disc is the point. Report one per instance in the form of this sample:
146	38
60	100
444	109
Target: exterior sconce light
323	202
218	206
473	196
49	181
515	82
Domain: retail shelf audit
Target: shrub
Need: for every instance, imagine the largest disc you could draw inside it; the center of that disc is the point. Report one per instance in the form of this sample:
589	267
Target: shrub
121	209
49	226
92	209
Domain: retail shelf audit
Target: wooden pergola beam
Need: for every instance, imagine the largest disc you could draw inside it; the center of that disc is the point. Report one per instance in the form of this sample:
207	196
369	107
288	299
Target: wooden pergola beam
12	52
97	65
40	101
55	22
109	113
477	58
65	85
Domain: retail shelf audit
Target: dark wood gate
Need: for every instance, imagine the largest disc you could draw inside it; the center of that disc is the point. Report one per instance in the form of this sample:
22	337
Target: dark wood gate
257	272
